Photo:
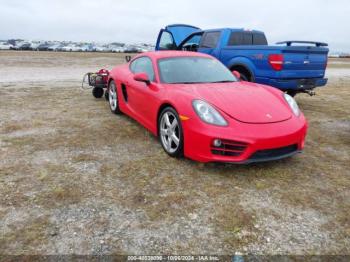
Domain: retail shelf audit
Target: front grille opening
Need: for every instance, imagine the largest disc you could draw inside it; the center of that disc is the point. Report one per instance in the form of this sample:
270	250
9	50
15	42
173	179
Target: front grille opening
229	148
274	153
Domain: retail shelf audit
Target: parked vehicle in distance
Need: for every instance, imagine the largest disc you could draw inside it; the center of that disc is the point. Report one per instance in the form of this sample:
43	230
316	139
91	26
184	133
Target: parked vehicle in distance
60	47
118	49
86	48
200	109
25	47
43	47
21	45
34	46
99	48
5	46
54	47
132	49
70	48
292	66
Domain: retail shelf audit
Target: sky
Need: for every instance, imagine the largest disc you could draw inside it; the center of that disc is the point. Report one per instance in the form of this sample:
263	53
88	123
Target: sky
136	21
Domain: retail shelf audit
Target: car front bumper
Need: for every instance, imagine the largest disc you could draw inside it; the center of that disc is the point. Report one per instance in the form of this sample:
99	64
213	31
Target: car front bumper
245	143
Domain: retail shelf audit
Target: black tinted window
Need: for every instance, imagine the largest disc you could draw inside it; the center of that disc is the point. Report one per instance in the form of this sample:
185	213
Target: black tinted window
210	40
143	65
259	39
247	38
241	38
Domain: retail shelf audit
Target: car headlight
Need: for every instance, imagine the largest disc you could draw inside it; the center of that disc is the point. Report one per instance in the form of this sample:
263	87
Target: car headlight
208	113
292	104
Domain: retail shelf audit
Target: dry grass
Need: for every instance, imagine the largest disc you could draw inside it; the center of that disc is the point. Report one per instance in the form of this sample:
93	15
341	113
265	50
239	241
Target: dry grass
65	156
25	239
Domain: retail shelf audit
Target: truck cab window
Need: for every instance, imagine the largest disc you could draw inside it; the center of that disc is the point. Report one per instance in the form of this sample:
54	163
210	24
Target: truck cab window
192	44
210	40
240	38
259	39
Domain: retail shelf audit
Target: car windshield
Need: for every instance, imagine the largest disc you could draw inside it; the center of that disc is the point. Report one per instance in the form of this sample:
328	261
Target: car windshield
188	70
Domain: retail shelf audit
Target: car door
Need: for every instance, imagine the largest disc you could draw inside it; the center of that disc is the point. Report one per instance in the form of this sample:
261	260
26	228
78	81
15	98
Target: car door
142	98
209	43
171	36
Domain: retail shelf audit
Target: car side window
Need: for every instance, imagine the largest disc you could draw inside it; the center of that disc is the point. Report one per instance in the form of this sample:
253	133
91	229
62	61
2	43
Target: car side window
143	65
210	40
167	41
133	65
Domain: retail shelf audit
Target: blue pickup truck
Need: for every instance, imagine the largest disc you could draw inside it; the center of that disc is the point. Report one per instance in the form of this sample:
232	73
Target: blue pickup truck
292	66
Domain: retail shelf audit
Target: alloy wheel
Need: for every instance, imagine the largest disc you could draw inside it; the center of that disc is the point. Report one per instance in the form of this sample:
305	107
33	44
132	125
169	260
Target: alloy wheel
170	132
113	98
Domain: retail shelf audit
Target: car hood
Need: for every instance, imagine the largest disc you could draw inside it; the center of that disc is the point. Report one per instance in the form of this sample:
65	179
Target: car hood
245	102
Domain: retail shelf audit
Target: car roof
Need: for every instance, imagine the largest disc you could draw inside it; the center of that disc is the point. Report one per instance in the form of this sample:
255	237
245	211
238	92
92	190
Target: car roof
168	54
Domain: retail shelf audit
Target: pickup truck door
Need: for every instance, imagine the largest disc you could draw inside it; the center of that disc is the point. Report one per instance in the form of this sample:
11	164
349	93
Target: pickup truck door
172	36
209	43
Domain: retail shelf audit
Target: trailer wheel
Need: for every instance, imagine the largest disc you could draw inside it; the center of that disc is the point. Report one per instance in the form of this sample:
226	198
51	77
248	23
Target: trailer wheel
97	92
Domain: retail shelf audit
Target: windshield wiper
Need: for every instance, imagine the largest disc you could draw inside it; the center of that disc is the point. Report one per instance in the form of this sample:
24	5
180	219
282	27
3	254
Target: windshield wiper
187	83
224	81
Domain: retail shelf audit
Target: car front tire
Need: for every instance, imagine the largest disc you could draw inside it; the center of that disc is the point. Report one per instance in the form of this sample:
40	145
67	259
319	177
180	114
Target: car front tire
171	132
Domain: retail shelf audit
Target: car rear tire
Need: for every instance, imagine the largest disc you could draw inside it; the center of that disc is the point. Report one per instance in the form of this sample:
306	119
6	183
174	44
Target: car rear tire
170	132
113	98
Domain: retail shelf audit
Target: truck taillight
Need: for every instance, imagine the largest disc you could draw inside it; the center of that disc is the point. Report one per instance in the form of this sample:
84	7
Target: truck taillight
276	61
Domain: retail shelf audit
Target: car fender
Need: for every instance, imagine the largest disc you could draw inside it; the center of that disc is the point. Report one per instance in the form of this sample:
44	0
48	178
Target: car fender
163	104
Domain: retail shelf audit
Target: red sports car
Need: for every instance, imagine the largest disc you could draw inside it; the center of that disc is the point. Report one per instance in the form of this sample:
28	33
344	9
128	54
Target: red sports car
200	109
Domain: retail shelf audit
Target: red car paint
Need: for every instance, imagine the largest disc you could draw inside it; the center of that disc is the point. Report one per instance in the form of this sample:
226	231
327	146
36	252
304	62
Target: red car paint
258	116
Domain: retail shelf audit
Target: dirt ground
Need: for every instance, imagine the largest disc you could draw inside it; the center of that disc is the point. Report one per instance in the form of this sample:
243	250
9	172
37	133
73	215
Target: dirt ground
76	179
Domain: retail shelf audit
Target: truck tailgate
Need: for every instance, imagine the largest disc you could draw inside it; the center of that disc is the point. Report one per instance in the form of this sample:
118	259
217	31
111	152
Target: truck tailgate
303	62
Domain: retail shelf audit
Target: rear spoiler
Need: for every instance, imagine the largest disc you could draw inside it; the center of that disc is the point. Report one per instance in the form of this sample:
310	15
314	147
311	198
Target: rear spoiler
289	43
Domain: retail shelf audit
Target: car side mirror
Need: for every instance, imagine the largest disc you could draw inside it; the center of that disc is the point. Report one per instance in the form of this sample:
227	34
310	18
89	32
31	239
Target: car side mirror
237	74
142	77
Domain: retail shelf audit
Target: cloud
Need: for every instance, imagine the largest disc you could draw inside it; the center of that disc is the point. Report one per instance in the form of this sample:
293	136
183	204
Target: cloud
140	20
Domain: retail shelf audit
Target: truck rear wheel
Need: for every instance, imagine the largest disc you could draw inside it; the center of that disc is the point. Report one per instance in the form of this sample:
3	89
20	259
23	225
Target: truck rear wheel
246	75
